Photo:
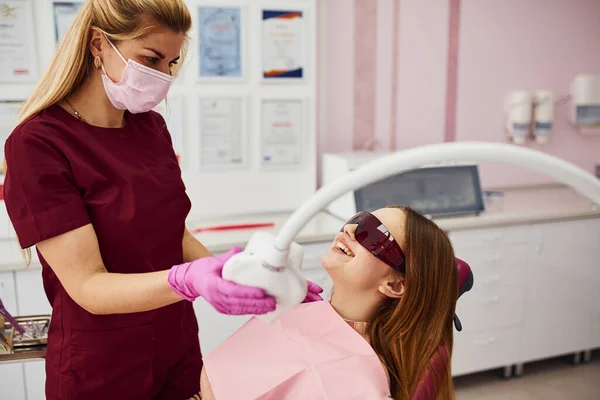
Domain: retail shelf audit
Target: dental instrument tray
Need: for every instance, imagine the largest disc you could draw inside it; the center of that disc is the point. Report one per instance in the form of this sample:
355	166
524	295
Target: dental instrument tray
33	340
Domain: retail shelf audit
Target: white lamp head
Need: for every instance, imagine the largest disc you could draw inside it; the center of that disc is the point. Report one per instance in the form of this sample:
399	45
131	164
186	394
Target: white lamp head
277	272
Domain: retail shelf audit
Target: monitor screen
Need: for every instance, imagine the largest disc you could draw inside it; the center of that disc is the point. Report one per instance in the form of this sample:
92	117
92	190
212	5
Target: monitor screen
444	190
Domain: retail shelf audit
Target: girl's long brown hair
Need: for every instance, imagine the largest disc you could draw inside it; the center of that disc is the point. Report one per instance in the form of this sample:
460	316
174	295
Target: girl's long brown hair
407	332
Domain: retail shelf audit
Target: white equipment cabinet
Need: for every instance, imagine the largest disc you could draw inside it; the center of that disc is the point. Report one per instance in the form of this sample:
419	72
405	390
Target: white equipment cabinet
535	294
562	287
492	312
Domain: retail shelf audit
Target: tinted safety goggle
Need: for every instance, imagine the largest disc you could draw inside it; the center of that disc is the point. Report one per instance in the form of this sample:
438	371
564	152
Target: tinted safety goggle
374	236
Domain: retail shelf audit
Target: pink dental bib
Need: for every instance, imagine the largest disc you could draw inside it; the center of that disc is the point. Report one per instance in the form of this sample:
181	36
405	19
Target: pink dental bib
308	353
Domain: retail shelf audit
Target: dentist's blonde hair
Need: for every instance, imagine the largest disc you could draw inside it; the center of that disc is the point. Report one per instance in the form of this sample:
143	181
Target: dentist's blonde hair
118	20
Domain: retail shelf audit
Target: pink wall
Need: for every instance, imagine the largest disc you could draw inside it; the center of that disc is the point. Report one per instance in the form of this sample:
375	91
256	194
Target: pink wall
422	72
440	71
531	45
339	76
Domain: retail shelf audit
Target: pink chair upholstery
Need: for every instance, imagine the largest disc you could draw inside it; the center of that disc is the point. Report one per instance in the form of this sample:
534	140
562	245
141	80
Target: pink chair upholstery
427	388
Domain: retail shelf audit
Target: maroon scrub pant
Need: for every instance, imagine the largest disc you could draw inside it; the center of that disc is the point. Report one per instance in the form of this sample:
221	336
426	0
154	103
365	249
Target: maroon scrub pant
157	360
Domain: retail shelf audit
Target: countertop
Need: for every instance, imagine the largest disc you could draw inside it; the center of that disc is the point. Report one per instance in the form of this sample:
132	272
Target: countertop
528	205
321	228
519	206
33	355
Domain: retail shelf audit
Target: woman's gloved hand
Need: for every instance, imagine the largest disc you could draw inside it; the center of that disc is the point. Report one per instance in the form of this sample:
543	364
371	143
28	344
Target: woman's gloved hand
313	292
202	278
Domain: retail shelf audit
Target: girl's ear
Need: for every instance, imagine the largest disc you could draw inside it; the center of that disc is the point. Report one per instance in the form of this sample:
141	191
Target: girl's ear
393	287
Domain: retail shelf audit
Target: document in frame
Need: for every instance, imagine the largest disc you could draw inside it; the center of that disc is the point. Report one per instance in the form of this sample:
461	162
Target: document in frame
172	111
9	113
282	140
220	41
64	15
221	133
18	61
283	45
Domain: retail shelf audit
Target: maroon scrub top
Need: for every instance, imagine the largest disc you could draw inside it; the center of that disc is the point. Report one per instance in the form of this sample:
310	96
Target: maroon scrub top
64	174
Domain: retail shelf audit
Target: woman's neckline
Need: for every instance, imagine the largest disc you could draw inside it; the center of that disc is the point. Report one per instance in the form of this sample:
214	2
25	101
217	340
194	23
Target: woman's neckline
66	116
361	328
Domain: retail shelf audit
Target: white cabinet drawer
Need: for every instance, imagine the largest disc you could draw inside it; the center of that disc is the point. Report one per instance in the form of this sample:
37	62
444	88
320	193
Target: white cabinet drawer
498	266
581	234
35	380
486	350
495	308
559	314
493	237
569	249
12	383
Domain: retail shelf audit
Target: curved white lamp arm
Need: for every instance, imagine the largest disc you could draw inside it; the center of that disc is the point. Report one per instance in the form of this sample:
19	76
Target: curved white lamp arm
272	263
563	171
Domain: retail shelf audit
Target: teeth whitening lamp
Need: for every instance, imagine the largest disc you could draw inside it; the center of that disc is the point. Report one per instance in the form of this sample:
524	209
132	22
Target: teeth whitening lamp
274	263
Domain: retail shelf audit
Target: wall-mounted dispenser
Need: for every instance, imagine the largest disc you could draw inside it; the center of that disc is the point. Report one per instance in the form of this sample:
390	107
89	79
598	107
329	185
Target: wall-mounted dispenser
585	93
544	115
519	107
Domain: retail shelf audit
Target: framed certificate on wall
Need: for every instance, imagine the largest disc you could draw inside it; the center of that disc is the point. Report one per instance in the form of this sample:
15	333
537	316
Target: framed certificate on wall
283	138
283	46
64	15
18	58
221	43
223	139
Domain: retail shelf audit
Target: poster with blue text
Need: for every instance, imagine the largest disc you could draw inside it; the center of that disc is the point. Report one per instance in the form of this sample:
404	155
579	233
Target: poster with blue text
220	40
64	15
283	45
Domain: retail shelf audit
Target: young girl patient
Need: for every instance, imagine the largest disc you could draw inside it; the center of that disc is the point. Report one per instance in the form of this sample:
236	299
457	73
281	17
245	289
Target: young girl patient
395	282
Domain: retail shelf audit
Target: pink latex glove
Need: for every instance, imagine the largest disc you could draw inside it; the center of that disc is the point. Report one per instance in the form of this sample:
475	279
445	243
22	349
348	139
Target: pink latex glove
202	278
313	292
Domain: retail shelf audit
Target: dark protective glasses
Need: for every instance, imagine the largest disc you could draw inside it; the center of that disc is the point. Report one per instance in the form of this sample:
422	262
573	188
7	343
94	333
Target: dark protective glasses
373	235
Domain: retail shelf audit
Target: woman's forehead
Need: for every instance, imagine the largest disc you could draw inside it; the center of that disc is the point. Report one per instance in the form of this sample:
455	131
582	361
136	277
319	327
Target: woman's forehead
164	40
394	220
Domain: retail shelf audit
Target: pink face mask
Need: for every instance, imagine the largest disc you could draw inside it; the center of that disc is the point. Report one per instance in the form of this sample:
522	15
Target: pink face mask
140	89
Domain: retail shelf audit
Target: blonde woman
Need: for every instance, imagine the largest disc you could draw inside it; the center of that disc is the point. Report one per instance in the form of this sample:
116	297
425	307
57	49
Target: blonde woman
93	182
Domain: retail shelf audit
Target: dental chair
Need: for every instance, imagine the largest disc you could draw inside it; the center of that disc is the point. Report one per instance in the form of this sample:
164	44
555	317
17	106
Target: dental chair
427	388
